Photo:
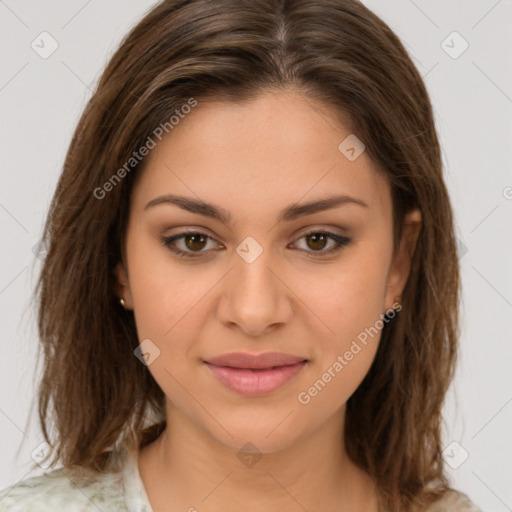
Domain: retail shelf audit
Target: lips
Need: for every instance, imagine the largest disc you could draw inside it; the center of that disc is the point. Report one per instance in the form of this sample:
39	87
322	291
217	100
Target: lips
255	374
266	360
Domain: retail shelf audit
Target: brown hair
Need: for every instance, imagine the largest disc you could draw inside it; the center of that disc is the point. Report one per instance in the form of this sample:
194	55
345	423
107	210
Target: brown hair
93	391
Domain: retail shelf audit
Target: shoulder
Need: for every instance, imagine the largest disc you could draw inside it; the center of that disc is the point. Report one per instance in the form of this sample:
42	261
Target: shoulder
65	489
453	501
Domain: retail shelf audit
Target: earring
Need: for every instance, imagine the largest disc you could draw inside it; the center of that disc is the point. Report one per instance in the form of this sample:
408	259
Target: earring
393	309
121	301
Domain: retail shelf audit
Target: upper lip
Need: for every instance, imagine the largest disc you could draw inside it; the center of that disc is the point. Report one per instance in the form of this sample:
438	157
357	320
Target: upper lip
255	361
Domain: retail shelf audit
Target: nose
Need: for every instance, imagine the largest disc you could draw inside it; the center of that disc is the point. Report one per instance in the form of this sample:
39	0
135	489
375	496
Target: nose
255	298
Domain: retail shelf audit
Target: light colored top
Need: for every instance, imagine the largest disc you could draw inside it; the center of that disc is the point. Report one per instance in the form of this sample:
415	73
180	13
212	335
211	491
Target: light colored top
60	490
123	491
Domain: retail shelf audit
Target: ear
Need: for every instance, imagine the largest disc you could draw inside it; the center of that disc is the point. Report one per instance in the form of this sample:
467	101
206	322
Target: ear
122	285
401	265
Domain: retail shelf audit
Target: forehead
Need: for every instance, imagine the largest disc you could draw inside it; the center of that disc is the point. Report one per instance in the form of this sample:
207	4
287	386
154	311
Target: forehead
278	148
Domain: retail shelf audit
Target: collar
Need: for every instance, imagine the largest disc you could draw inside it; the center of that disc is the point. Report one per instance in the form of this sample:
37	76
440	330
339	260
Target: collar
135	495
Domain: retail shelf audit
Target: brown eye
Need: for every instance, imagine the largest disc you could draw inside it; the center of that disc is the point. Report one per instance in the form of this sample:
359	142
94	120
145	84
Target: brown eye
195	241
322	243
189	244
317	241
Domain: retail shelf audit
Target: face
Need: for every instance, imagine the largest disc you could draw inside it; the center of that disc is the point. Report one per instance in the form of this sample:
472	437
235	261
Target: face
263	274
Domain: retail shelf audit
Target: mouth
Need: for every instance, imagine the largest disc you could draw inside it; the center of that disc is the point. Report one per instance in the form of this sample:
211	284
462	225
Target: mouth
255	375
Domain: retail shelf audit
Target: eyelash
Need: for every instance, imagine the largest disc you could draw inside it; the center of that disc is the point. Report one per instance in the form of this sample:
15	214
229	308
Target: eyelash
340	241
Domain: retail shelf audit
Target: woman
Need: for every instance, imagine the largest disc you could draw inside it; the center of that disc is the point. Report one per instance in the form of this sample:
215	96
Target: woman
249	299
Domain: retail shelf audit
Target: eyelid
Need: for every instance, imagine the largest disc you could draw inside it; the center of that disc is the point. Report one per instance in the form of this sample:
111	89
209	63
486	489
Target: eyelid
171	239
340	241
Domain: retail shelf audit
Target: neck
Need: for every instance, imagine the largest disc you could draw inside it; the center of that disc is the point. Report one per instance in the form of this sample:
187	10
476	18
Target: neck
187	469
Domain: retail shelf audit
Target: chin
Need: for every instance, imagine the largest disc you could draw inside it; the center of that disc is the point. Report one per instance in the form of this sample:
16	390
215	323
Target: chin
258	435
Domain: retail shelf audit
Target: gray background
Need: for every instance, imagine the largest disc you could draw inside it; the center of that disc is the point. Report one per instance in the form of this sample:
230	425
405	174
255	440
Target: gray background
41	99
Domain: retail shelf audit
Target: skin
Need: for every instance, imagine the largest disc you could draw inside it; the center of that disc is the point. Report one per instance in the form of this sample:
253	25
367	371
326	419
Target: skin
253	159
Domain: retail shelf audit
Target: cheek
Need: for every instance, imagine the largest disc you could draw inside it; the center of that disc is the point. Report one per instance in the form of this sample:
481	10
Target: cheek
349	304
348	297
164	291
344	352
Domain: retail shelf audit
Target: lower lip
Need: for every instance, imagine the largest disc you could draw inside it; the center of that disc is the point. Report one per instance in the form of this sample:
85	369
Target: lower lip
255	382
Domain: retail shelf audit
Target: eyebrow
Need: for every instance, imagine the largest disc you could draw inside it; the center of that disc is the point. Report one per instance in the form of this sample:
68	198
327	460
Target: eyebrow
288	214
